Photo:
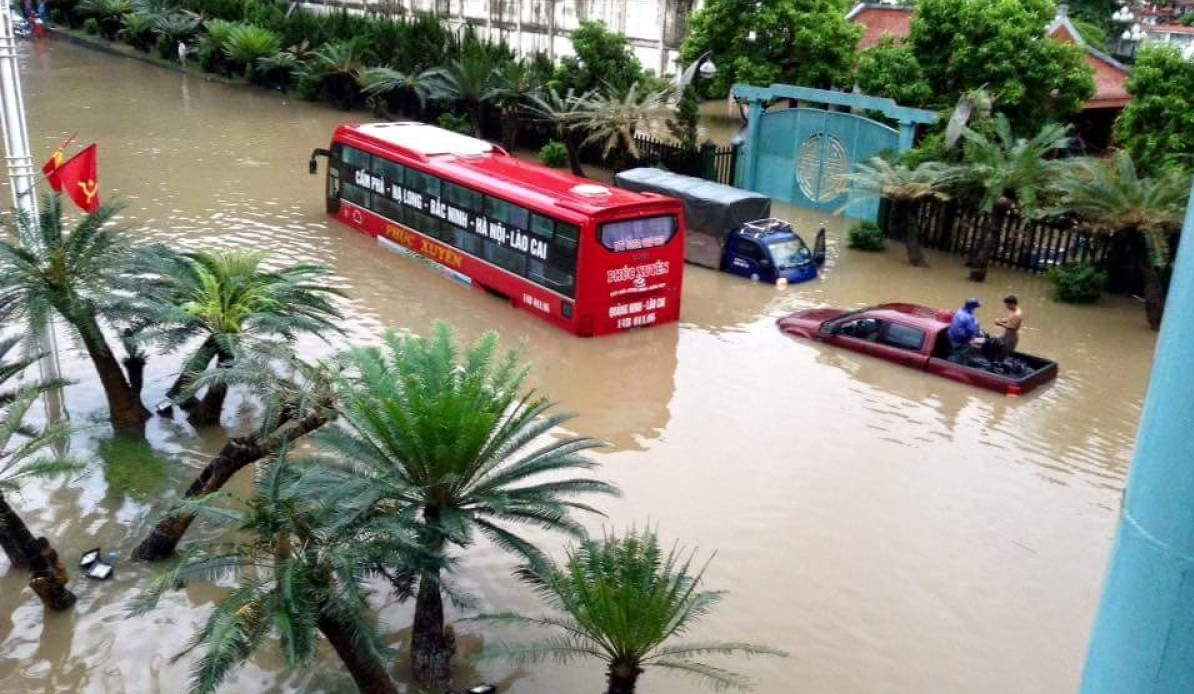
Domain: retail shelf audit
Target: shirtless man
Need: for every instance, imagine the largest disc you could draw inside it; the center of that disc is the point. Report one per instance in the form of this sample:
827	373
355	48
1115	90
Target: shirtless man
1011	324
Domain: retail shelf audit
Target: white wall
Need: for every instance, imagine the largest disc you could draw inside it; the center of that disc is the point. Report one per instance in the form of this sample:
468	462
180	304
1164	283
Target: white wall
655	28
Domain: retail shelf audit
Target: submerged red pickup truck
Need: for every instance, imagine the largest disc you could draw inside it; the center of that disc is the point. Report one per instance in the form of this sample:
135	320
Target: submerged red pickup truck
915	336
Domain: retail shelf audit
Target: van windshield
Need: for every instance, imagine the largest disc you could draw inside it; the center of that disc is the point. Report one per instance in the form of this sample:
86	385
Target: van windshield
790	253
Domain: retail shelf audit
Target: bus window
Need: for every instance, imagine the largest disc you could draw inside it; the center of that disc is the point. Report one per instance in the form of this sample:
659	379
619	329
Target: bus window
543	227
554	278
464	198
635	234
422	183
424	223
356	158
567	238
507	213
387	207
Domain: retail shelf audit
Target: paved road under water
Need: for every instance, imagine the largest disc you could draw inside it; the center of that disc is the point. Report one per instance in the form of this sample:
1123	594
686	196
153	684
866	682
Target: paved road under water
897	533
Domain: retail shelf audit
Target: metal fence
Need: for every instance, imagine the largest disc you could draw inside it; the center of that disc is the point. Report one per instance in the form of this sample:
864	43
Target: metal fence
708	161
1029	245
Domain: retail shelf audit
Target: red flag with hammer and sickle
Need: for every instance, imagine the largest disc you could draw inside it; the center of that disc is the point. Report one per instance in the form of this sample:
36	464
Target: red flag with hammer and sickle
80	179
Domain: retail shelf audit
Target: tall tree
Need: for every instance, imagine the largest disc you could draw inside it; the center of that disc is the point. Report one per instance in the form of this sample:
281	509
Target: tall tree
230	302
26	452
1114	199
514	83
1006	173
809	43
455	437
1156	126
602	57
622	600
409	92
956	46
300	566
85	276
903	186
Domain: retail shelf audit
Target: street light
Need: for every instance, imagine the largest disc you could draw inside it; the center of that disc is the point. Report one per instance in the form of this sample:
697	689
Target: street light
703	65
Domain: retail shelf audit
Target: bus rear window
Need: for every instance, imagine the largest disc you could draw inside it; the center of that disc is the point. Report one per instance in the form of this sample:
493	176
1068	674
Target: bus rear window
636	234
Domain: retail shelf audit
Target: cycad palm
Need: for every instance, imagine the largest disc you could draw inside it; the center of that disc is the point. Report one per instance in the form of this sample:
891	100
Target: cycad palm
560	113
233	303
388	82
299	567
470	80
879	178
83	276
1112	197
456	437
612	117
514	83
27	452
621	600
336	66
1006	171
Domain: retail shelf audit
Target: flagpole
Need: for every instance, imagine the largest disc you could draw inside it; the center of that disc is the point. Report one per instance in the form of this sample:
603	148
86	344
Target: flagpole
22	177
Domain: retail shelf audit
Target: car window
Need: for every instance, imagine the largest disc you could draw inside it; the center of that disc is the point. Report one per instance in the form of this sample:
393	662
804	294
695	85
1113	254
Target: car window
748	250
903	337
862	328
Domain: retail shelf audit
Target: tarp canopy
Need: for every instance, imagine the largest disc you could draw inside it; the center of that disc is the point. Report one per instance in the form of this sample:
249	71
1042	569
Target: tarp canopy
712	208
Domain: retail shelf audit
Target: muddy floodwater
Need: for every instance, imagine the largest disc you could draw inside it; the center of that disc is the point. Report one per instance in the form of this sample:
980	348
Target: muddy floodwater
897	533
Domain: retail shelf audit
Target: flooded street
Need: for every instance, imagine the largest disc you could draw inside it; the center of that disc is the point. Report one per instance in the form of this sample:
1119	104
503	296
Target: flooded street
896	532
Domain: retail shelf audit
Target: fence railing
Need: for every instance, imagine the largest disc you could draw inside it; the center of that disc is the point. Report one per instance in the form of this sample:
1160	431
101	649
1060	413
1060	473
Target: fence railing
1030	245
707	161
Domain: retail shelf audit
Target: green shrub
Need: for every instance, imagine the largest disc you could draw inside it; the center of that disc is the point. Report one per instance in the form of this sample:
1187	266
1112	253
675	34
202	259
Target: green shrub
212	43
90	26
554	154
865	236
1077	283
138	31
456	123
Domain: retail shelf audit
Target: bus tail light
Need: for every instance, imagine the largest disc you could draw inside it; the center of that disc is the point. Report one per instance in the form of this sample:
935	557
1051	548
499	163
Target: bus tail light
566	309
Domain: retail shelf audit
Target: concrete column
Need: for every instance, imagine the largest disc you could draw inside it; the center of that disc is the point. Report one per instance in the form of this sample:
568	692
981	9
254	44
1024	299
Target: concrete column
1143	640
907	135
749	153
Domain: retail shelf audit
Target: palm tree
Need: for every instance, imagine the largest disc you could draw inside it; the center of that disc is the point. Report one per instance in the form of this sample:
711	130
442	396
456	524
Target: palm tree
515	82
300	568
879	178
1006	173
234	304
456	438
298	398
560	113
622	599
611	118
383	82
336	66
82	276
246	44
1113	199
25	453
471	81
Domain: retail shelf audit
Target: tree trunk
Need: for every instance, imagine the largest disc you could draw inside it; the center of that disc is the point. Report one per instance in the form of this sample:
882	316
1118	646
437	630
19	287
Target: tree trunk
902	213
431	643
197	364
573	148
988	243
474	115
212	405
127	414
622	678
367	670
14	535
49	576
1154	291
233	457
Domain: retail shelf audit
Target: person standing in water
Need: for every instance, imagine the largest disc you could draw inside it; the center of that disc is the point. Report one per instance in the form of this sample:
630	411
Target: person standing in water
1011	324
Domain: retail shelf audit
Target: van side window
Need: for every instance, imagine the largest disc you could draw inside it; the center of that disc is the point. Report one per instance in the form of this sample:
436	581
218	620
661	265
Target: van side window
903	337
748	250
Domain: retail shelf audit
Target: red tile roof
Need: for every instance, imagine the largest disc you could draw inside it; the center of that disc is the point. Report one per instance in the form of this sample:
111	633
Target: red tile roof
880	21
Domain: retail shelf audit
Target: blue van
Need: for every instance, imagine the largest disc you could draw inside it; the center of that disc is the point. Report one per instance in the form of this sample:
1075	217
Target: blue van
767	250
722	235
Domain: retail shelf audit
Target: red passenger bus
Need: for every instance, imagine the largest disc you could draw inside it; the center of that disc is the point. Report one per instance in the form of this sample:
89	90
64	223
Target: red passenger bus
589	258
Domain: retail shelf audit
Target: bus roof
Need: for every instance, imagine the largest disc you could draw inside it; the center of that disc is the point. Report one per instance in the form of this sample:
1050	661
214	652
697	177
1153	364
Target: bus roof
481	165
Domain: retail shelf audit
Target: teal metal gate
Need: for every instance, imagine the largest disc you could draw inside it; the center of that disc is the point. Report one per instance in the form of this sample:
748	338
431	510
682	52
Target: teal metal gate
799	155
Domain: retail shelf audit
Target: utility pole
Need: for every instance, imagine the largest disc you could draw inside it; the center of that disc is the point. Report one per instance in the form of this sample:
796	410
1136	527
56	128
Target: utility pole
1143	640
22	179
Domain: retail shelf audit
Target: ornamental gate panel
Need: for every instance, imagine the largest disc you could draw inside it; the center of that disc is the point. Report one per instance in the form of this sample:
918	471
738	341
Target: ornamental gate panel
799	155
